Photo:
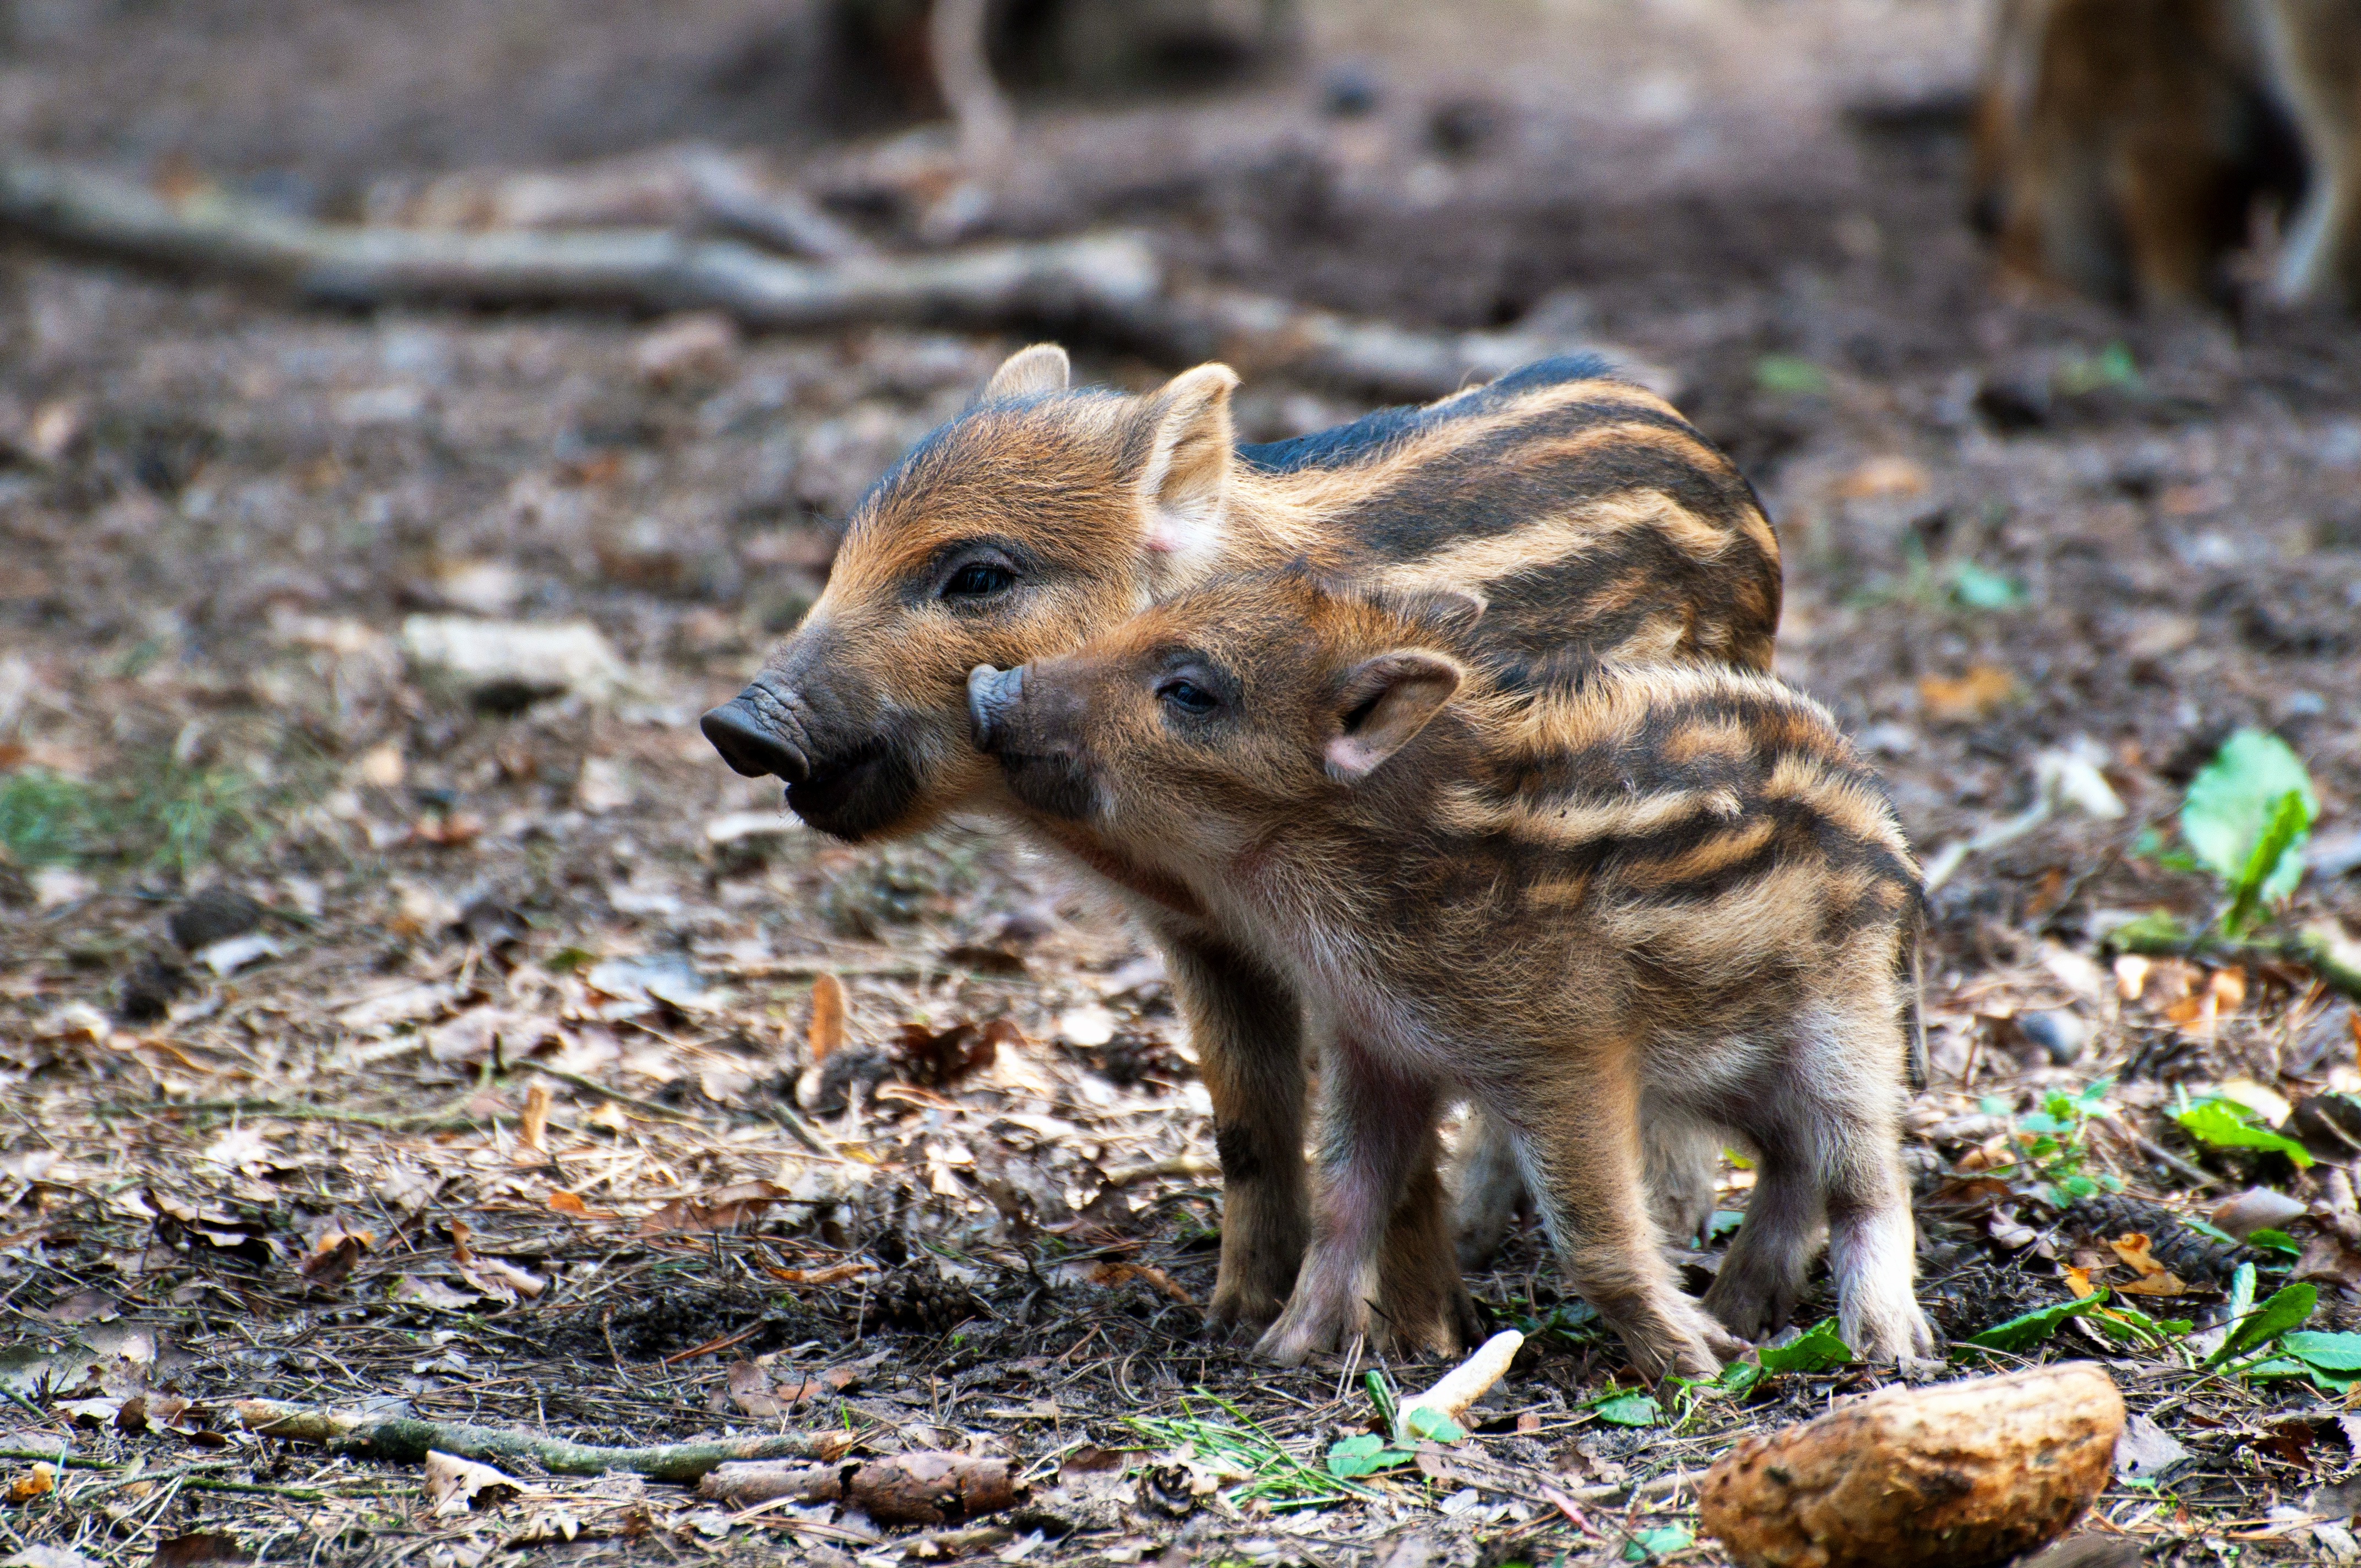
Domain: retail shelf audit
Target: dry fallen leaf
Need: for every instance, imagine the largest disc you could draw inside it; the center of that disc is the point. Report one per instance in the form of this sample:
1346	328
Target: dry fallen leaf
725	1209
826	1034
1974	695
456	1484
833	1274
533	1127
38	1482
1889	477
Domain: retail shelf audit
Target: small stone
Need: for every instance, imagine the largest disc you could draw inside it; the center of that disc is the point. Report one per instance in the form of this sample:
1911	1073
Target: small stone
2058	1032
213	915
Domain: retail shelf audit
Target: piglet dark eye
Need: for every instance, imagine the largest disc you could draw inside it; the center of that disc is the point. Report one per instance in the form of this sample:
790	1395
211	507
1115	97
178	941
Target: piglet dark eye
1188	696
979	579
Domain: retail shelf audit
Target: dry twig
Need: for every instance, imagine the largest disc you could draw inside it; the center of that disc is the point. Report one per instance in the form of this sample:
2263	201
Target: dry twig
406	1439
1108	283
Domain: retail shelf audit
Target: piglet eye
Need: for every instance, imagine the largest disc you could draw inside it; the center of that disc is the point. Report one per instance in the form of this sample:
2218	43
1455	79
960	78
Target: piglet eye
979	579
1188	696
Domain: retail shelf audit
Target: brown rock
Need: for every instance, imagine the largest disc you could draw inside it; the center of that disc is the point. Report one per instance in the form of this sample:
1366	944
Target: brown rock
1965	1475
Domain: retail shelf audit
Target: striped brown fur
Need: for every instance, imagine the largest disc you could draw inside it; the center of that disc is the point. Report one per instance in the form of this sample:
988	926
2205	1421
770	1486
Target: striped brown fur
1583	513
1635	893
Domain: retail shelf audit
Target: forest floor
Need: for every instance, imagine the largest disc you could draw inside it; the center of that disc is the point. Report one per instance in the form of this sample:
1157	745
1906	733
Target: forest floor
371	1042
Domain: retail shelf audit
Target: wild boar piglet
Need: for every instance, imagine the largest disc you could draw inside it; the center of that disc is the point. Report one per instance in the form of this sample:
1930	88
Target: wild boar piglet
1630	896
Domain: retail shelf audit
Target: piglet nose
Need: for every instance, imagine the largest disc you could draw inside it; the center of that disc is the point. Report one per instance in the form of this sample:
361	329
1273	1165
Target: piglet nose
990	694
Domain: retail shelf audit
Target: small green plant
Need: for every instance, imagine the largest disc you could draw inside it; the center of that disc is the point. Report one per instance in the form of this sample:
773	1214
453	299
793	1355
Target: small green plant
2226	1124
45	817
1791	375
2113	367
2053	1144
1628	1409
154	812
1981	587
2028	1329
1663	1541
2246	817
1364	1453
1269	1472
2258	1342
1821	1349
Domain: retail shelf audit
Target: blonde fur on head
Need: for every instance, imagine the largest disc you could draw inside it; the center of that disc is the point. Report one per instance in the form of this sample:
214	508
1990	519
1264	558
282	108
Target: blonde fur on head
1184	486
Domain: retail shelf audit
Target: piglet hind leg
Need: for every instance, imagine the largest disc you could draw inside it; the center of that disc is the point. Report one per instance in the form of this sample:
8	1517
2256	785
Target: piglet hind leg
1422	1306
1829	1136
1763	1276
1581	1145
1872	1248
1377	1139
1853	1069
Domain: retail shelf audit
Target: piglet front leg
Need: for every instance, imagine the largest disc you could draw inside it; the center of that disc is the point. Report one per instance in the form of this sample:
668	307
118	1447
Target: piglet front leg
1377	1137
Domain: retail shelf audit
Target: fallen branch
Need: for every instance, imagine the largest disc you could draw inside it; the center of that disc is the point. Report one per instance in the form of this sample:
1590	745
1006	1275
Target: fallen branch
908	1489
406	1440
1109	283
650	268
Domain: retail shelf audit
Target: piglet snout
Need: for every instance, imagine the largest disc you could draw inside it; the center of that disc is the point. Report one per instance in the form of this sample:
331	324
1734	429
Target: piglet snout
990	695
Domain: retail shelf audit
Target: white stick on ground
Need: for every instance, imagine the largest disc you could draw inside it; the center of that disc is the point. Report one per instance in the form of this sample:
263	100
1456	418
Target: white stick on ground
1461	1385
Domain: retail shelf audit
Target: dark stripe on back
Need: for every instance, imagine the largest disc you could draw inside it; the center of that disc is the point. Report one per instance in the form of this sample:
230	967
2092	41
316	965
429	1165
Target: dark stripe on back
1370	435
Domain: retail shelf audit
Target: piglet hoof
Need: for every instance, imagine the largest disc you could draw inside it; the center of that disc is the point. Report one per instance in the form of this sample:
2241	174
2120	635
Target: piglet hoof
1749	1304
1889	1333
1680	1341
1425	1311
1314	1324
1239	1316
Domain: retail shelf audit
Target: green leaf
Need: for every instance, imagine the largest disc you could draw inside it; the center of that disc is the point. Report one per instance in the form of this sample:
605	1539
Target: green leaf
2127	1323
1657	1543
1629	1410
2270	1371
2289	1308
1790	376
2278	1242
1382	1396
2330	1353
1432	1425
2032	1328
2289	818
1365	1455
2228	1125
2232	803
2146	933
2242	1293
1817	1350
1981	587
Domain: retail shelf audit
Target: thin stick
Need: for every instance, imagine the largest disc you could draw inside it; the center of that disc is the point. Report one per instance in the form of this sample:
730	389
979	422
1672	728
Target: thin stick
406	1440
592	1086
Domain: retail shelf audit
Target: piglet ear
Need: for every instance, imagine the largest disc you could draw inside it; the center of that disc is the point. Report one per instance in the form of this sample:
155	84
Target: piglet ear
1043	367
1185	486
1384	702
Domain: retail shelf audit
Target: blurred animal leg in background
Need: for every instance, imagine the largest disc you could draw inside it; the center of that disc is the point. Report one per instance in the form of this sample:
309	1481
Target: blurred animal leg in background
2314	47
